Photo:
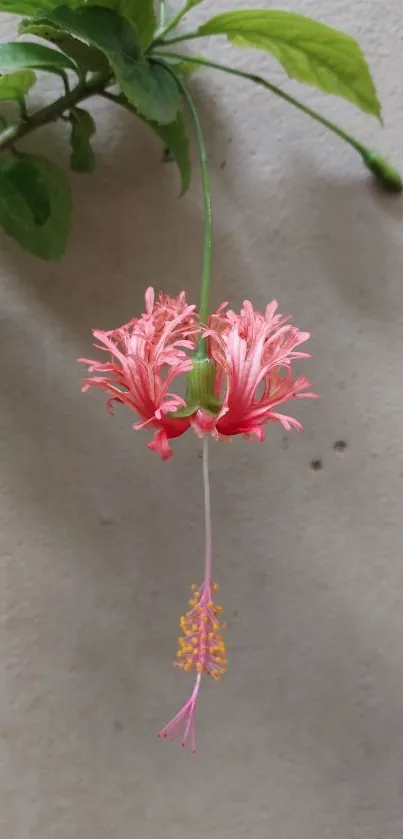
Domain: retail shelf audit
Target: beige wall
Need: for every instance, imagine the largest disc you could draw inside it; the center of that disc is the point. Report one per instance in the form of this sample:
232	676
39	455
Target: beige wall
99	541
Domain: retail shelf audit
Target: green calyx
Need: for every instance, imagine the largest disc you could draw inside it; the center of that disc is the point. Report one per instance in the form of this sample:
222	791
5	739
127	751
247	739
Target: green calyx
200	389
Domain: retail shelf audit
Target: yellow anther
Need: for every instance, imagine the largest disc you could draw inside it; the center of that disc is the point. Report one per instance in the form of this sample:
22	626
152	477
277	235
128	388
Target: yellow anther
201	645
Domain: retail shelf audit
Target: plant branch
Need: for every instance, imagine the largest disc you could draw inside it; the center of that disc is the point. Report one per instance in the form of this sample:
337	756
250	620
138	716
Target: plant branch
14	133
383	171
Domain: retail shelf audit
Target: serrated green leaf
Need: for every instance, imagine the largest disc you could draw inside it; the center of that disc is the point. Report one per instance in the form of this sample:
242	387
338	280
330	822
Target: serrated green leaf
35	205
19	54
138	12
308	50
175	138
87	58
82	129
148	86
16	85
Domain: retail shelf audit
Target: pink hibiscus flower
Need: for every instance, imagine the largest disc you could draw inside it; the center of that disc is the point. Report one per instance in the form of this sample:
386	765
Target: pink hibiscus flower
236	391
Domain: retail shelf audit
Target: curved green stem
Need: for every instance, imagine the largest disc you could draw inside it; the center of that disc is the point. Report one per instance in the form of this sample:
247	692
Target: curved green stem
208	218
259	80
386	174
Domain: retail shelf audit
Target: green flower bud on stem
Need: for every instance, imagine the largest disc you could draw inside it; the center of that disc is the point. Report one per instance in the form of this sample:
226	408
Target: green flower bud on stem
386	174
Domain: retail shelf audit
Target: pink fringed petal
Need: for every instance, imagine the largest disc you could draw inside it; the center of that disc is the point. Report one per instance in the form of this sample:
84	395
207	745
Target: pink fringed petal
147	355
160	445
252	349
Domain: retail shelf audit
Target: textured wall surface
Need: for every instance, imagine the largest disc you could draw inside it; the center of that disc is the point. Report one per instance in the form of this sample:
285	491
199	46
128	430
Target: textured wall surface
99	540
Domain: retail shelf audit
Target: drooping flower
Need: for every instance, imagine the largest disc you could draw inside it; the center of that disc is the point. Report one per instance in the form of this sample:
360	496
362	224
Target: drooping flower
236	390
147	355
238	370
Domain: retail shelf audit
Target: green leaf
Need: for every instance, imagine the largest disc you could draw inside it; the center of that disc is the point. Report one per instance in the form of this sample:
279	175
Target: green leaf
32	7
175	138
308	50
35	205
138	12
159	93
16	85
25	7
148	85
87	58
19	54
82	129
26	178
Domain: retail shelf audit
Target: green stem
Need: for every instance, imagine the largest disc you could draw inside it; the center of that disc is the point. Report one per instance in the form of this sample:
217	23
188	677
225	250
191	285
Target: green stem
259	80
163	31
208	219
162	14
52	112
188	36
387	176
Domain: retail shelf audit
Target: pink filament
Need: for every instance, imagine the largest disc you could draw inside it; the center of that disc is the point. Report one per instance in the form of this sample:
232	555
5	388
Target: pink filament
186	717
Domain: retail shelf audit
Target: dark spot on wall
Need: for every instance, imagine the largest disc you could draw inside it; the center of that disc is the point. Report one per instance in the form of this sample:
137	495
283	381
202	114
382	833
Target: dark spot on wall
316	465
167	156
340	446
